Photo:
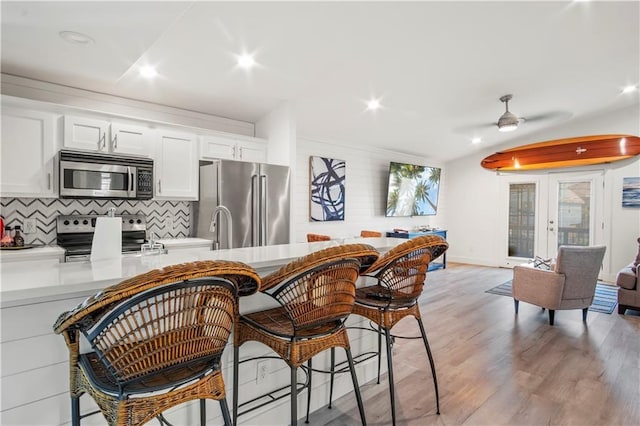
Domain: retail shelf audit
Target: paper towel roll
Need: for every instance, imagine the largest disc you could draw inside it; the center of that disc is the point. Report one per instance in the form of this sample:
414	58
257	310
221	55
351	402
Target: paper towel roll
107	238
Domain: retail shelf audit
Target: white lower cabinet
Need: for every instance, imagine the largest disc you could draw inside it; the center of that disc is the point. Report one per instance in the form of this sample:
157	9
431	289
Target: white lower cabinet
27	153
176	166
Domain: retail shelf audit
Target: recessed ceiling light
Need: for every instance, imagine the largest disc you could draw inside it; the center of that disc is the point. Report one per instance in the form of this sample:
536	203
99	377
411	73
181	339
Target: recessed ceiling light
373	104
476	140
76	38
246	61
148	71
630	88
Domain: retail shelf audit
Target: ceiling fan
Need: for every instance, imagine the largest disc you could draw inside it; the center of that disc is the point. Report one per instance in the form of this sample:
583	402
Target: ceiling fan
509	121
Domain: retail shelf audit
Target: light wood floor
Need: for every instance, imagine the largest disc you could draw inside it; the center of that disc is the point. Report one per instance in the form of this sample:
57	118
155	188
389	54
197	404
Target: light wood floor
495	368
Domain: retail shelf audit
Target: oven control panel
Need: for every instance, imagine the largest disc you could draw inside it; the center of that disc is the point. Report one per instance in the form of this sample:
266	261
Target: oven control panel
87	223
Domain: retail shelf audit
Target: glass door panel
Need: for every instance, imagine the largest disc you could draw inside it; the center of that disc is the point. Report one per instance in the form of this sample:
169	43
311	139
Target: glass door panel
574	213
522	220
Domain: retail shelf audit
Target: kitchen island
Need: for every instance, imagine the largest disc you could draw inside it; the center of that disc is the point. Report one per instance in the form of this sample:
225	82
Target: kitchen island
35	360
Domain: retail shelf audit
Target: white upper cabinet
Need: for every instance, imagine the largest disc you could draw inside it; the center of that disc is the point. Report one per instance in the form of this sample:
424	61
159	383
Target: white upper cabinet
103	136
176	166
27	153
232	147
130	139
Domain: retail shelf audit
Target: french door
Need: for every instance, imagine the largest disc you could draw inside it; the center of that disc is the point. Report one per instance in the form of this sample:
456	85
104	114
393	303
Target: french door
548	210
575	213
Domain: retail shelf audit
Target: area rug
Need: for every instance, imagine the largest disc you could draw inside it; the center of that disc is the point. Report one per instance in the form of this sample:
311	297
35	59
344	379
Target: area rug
604	301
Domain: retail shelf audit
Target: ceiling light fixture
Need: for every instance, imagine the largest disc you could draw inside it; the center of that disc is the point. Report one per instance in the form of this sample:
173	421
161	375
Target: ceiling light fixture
508	121
74	37
246	61
148	71
476	140
373	104
629	89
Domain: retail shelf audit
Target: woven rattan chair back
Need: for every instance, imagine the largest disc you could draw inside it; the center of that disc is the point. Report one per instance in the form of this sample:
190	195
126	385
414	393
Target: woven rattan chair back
370	234
402	270
317	237
185	323
322	294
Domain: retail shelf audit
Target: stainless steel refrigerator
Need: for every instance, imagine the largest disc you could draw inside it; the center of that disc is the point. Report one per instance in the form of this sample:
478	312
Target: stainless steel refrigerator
243	204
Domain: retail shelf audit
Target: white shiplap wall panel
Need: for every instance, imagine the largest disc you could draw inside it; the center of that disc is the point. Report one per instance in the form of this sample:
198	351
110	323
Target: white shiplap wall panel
366	191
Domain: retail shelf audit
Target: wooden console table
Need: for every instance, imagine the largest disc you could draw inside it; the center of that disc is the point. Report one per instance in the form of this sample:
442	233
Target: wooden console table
438	264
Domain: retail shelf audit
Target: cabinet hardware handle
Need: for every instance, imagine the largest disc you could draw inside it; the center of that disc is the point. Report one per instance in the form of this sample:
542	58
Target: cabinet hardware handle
233	152
240	149
48	180
159	186
103	141
115	142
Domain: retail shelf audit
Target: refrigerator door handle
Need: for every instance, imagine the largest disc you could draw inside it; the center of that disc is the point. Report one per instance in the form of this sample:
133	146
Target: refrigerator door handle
255	213
263	210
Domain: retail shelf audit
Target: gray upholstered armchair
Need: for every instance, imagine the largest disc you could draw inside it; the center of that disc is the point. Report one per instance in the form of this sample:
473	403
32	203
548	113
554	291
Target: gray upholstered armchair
571	284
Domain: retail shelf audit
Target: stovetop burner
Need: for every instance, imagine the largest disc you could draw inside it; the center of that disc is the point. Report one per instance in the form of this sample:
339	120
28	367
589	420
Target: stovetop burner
75	234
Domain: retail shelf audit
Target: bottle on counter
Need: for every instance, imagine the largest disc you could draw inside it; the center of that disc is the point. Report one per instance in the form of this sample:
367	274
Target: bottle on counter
18	239
7	239
1	227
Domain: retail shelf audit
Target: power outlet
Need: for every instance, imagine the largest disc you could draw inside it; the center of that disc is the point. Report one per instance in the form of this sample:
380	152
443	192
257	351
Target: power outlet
169	223
261	371
30	226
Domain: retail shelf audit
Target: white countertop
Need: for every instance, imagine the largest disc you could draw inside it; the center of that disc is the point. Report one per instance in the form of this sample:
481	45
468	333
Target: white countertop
185	242
31	282
31	253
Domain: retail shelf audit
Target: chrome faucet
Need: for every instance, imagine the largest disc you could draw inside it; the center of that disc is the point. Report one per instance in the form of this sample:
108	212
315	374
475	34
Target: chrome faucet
212	227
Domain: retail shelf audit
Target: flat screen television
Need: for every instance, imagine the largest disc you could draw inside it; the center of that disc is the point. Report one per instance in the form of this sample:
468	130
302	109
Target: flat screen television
412	190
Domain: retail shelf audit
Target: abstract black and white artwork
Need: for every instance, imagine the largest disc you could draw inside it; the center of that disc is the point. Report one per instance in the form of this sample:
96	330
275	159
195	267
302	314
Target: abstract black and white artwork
326	178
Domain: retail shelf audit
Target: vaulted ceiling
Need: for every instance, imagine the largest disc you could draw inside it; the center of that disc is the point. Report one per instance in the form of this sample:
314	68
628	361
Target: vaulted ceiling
438	68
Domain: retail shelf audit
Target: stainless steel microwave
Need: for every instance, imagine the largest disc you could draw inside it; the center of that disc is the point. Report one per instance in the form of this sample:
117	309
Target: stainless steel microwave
92	175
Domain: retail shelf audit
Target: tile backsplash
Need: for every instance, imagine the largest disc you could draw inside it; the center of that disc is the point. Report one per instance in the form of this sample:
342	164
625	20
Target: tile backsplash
45	211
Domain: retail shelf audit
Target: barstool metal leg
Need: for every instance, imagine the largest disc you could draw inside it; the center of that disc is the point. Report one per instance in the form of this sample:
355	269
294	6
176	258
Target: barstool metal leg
333	372
236	363
356	387
308	390
75	411
387	334
431	363
379	351
294	396
203	412
224	407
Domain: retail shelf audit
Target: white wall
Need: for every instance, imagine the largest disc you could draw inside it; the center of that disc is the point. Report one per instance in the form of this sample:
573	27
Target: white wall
473	195
366	191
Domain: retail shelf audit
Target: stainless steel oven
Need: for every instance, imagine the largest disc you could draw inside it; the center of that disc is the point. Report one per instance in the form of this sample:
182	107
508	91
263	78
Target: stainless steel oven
89	175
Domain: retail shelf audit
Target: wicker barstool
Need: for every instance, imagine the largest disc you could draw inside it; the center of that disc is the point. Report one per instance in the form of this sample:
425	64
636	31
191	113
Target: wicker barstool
400	276
370	234
317	237
156	340
316	294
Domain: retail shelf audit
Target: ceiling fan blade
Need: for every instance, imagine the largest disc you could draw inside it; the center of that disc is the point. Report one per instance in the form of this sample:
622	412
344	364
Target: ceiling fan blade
551	115
474	127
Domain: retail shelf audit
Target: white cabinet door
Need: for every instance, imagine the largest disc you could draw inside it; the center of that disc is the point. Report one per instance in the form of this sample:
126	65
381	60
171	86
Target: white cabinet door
176	164
103	136
232	148
28	149
129	139
254	152
85	133
212	147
